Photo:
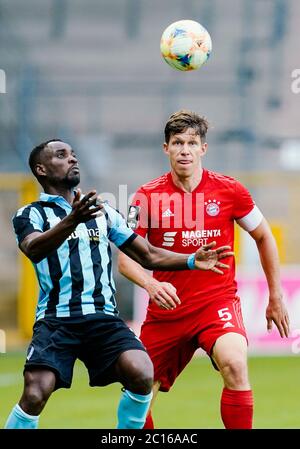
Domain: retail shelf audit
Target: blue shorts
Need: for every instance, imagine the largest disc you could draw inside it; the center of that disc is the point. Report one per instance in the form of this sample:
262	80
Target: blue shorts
96	339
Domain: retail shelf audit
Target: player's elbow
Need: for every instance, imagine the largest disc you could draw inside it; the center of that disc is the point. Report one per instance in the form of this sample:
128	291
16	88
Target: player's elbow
33	253
36	258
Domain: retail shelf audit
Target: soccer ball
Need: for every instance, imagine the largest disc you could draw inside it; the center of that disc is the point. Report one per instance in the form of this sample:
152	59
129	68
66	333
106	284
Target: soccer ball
185	45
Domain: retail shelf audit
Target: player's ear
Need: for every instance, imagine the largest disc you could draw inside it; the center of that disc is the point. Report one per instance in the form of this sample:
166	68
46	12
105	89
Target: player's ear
40	170
204	147
166	148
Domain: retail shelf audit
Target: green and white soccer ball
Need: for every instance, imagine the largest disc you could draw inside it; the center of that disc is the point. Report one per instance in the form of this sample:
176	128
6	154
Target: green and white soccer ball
185	45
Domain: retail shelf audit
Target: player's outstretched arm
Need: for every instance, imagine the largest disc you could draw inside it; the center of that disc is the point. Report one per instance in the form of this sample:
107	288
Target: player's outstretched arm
154	258
39	245
276	311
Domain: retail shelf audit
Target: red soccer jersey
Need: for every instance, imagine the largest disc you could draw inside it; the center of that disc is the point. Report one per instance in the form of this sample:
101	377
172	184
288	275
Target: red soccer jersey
182	222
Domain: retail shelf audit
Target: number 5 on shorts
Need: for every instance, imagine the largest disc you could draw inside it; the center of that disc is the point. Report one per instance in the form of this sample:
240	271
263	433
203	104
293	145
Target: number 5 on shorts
224	314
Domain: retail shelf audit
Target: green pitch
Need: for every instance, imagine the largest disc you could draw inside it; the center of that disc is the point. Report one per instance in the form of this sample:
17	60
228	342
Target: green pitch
192	403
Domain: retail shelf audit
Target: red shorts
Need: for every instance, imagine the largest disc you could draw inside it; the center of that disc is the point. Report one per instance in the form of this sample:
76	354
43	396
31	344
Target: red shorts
172	343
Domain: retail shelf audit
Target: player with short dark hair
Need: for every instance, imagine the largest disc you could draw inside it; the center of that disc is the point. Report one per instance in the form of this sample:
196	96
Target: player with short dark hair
66	235
183	210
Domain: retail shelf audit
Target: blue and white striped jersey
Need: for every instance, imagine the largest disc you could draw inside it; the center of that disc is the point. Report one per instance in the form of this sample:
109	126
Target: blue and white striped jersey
76	279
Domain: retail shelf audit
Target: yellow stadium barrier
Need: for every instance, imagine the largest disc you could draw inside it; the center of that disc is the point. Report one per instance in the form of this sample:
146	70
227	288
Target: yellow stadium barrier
27	290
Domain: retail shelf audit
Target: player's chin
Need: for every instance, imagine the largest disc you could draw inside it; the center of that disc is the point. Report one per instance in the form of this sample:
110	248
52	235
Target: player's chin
73	179
184	169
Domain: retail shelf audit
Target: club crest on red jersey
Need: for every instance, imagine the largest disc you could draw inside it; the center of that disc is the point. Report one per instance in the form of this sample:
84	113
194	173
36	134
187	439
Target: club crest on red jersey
133	216
212	207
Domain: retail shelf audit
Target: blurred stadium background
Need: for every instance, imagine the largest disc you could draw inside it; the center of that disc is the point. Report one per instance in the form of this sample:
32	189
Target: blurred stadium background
90	72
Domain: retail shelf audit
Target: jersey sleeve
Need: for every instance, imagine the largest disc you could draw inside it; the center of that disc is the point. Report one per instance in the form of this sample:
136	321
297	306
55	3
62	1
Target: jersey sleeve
138	213
245	211
26	221
118	231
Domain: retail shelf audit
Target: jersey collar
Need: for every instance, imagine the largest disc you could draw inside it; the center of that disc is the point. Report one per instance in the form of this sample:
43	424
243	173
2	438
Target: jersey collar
198	188
57	199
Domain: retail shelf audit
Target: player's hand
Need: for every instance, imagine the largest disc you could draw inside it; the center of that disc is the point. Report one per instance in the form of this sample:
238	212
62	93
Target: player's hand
209	259
276	312
87	208
162	293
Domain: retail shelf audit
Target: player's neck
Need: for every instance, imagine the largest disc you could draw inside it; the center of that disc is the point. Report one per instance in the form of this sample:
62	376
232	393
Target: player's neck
67	194
188	183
